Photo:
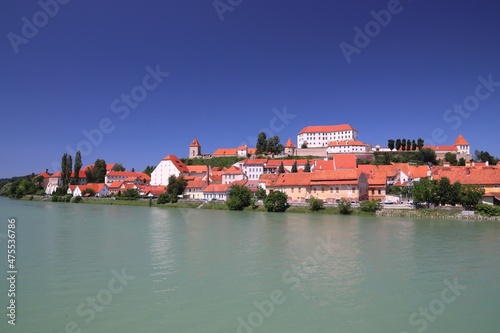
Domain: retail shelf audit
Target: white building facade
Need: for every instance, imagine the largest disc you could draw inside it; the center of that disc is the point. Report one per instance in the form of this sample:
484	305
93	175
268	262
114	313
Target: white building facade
168	166
321	136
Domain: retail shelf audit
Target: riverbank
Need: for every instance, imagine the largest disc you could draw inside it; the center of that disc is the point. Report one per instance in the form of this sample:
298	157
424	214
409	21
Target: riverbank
433	213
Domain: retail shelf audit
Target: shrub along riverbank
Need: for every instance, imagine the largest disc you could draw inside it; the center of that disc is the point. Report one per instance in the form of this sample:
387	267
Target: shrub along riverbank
484	212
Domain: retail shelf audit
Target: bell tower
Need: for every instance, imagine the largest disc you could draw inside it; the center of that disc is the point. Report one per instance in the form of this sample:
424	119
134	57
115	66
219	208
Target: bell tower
194	149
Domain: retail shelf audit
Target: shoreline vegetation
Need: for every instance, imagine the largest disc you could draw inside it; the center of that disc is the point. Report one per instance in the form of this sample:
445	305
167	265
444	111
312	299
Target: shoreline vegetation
393	212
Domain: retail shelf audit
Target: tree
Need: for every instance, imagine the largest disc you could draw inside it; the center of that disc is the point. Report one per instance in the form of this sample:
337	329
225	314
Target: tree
420	143
390	144
461	161
281	168
131	193
274	146
344	207
307	167
89	174
294	167
316	204
304	145
451	158
276	201
99	171
118	167
66	168
398	144
149	169
77	166
484	156
471	196
88	191
403	144
408	144
413	145
427	155
239	197
455	195
370	206
261	145
261	193
424	191
175	187
443	192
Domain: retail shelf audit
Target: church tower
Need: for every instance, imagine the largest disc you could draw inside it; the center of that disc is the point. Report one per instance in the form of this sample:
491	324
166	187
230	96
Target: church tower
194	149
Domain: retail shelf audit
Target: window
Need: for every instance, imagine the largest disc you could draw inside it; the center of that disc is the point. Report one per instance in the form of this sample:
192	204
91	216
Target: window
336	190
373	192
292	189
322	190
331	189
353	189
379	192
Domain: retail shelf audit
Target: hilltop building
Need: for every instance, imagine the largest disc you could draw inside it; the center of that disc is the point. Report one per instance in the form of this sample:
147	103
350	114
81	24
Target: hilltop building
321	136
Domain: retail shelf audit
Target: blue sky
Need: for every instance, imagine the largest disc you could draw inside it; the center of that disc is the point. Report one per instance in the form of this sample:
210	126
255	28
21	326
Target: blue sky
231	71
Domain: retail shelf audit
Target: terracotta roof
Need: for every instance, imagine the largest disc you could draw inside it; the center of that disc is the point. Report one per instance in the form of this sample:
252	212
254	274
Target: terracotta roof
177	162
217	188
252	151
289	144
109	166
272	163
326	129
155	190
94	186
292	179
322	165
128	174
242	147
461	141
43	174
468	175
344	161
197	168
377	174
255	161
115	185
442	148
226	152
197	182
232	171
346	143
195	143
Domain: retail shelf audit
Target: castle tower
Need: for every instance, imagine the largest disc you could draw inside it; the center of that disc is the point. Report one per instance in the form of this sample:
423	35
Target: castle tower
194	149
463	147
289	148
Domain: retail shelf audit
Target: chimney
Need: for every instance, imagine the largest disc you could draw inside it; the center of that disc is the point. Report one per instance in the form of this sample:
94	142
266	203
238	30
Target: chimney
208	175
46	170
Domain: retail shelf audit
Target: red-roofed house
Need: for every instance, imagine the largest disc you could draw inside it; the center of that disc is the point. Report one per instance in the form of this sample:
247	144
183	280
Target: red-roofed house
347	161
231	175
44	176
100	189
347	146
127	176
329	185
460	147
216	191
168	166
487	178
151	191
320	136
194	188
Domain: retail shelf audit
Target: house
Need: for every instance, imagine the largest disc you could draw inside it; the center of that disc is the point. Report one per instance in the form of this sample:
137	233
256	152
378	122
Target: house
253	168
328	185
202	171
488	177
460	147
100	189
321	136
241	151
194	188
232	174
127	176
194	149
216	192
267	179
377	179
407	173
44	177
170	165
342	162
151	191
347	146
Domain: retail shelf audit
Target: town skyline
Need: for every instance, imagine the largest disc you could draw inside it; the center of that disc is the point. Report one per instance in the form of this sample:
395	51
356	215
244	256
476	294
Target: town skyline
145	81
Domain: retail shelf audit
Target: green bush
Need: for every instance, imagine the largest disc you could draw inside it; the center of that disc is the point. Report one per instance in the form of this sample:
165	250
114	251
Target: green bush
276	201
488	210
76	199
370	206
344	207
239	197
316	204
55	198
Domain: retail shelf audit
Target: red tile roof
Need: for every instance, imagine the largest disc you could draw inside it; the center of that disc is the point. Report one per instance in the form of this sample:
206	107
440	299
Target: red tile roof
322	165
255	161
226	152
195	143
197	182
344	161
217	188
442	148
326	129
344	143
461	141
232	171
468	175
197	168
177	162
43	174
252	151
289	144
242	147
